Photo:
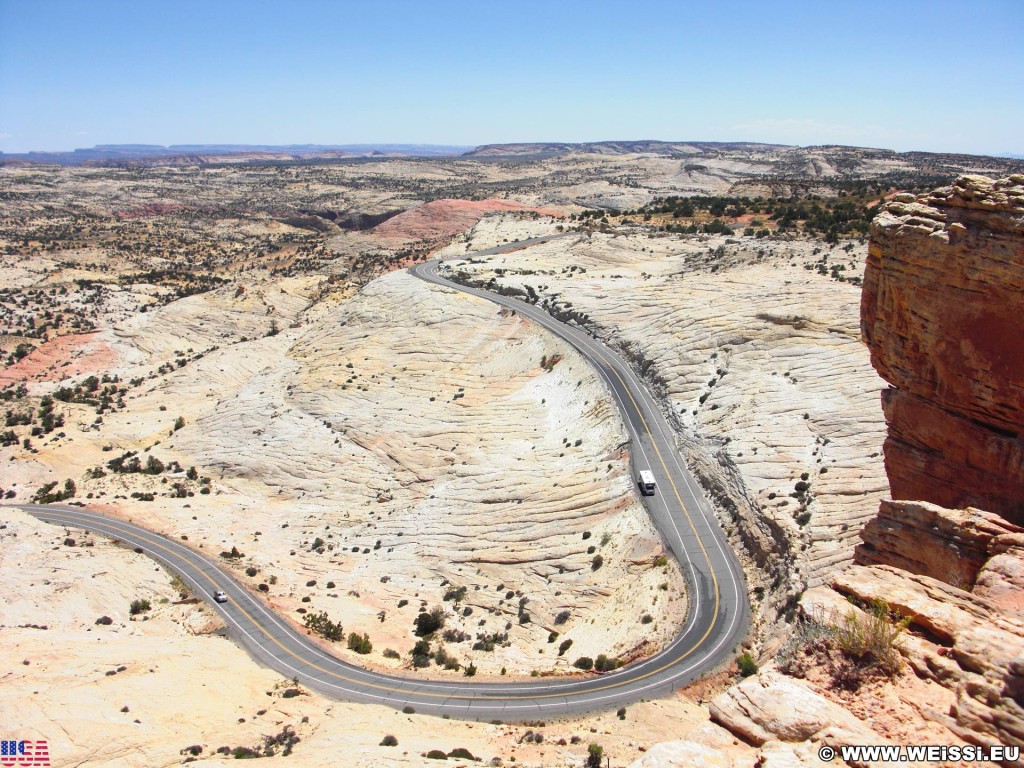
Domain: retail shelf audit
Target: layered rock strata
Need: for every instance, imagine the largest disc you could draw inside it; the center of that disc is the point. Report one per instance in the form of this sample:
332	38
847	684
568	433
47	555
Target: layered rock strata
943	316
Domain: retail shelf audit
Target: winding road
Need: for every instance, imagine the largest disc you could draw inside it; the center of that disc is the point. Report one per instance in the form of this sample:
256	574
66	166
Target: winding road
718	610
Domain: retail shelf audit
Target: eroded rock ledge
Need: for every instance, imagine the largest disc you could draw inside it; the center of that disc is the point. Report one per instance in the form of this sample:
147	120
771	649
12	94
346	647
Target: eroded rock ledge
943	315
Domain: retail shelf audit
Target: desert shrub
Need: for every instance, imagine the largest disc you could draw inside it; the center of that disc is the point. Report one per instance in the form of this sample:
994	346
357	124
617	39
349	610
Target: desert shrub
455	594
470	670
442	659
746	664
871	639
646	618
596	563
360	643
462	753
595	754
323	626
140	605
391	653
621	713
104	621
421	654
562	617
604	664
436	754
389	741
48	494
429	622
286	740
564	646
584	662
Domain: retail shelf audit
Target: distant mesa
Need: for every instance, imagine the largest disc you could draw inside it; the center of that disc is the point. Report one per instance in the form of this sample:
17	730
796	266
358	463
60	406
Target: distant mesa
196	153
662	148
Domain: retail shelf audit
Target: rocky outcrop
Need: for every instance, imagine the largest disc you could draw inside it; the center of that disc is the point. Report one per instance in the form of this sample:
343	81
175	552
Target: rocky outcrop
945	544
773	707
963	596
943	316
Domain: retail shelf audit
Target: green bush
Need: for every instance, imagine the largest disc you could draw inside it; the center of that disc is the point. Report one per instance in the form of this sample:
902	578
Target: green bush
584	662
323	626
746	664
138	606
360	643
429	622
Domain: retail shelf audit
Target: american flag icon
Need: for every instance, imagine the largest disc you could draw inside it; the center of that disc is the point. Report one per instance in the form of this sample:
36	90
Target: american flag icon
24	753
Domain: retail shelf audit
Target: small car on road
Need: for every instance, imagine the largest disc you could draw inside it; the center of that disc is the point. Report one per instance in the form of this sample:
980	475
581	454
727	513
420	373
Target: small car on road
219	596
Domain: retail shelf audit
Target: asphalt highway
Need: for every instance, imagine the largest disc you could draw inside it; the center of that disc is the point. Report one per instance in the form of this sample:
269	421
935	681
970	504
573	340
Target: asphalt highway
718	610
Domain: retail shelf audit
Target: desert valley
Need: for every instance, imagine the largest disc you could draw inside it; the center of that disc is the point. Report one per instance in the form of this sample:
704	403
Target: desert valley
230	349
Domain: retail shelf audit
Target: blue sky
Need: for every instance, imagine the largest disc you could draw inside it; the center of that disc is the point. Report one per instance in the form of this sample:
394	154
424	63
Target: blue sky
902	74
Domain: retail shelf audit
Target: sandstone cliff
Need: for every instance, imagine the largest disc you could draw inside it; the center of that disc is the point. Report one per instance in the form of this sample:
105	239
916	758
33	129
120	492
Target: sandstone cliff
943	316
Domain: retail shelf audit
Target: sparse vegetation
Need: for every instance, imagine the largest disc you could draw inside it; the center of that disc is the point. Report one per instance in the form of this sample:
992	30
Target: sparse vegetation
429	622
360	643
871	638
746	665
321	624
139	605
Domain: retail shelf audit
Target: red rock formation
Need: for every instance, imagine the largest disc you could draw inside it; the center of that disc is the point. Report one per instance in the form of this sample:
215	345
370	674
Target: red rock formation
444	218
943	316
951	545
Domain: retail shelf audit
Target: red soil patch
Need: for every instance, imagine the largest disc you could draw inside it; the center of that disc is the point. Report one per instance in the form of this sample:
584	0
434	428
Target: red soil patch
444	218
70	355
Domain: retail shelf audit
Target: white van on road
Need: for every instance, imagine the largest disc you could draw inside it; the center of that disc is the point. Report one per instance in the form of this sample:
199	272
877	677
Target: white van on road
646	482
